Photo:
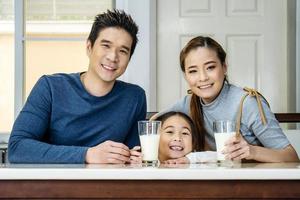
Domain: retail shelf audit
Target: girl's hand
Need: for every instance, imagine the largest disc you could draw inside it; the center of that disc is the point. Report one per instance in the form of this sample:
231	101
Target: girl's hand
135	155
236	148
182	160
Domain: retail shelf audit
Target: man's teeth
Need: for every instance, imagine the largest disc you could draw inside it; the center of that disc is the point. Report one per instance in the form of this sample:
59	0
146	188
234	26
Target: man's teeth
176	148
108	68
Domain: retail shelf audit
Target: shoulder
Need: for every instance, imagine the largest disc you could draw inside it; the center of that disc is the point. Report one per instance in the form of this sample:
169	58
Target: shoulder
130	88
183	105
60	77
234	91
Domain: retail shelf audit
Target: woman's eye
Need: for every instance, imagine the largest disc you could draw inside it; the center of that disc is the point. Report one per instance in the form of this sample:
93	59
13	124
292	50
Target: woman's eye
192	71
210	67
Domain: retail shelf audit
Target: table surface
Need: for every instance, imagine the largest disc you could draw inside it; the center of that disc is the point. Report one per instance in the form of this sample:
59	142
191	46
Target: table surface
204	171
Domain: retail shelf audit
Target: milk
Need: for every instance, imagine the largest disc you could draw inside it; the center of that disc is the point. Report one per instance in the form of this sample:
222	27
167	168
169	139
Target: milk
221	138
149	144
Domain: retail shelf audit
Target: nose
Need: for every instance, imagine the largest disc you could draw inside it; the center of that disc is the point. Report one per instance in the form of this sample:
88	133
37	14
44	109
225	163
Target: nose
177	137
203	75
112	56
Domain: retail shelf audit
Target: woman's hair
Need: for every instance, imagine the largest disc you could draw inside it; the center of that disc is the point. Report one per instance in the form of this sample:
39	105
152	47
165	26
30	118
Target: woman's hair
195	105
195	139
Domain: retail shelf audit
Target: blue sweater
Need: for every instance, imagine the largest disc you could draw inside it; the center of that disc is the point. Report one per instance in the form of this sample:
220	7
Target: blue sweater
61	120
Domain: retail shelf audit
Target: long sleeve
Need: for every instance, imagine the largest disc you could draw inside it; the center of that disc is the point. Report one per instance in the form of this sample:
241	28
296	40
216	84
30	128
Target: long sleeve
269	135
27	142
133	137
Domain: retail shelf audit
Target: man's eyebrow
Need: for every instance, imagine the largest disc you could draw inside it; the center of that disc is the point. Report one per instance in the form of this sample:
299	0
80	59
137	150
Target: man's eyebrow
105	41
109	42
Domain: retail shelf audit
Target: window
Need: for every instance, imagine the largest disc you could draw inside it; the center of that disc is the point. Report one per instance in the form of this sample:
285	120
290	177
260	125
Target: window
56	32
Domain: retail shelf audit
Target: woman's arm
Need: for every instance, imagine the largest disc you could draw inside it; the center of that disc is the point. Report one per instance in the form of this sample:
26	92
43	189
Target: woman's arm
237	148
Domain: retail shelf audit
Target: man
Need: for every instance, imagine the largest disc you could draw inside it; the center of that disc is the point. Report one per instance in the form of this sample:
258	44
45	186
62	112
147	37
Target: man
87	117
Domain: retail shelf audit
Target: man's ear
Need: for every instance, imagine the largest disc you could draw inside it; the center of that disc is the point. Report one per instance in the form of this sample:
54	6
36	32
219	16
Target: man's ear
88	47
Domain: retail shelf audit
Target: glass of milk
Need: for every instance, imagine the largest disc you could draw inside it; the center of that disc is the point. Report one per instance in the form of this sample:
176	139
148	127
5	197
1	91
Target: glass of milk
149	138
223	130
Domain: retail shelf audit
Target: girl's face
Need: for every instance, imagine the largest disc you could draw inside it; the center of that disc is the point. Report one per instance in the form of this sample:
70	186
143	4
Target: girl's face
175	138
204	73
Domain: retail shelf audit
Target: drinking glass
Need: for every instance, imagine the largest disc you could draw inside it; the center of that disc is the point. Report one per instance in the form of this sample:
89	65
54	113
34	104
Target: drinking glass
149	138
223	130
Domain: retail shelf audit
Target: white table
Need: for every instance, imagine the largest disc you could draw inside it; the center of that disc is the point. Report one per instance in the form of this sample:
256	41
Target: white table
247	180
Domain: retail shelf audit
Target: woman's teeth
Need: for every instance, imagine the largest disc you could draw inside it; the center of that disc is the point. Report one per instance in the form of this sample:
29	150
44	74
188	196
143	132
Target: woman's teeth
205	86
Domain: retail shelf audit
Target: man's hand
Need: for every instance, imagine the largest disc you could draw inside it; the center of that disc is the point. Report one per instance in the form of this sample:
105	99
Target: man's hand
108	152
135	155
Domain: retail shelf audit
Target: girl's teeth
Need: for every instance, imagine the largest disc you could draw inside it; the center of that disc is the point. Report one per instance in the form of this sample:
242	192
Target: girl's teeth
176	148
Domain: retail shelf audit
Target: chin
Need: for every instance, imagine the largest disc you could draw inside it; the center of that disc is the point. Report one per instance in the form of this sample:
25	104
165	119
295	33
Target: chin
176	155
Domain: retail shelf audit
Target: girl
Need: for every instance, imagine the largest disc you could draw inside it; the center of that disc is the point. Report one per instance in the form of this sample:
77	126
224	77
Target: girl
177	140
212	98
177	136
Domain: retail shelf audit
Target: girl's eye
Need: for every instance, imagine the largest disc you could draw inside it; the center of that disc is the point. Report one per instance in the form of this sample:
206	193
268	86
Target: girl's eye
169	132
185	133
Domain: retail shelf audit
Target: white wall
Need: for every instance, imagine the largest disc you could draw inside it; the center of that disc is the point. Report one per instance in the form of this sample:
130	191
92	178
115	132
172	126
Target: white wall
142	67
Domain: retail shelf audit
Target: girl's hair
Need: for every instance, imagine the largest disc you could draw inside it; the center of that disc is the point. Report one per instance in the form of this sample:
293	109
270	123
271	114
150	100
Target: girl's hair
195	105
195	139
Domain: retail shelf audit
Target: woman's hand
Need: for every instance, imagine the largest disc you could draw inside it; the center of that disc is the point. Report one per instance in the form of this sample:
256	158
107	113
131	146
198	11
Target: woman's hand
236	148
135	155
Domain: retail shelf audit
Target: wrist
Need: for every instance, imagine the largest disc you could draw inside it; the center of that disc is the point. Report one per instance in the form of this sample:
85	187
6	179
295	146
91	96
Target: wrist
252	152
88	155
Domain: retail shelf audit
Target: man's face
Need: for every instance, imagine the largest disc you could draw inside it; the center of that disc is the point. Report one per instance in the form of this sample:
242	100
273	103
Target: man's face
109	57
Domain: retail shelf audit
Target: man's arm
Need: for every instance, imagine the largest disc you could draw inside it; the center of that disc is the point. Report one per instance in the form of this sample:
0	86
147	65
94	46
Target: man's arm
28	143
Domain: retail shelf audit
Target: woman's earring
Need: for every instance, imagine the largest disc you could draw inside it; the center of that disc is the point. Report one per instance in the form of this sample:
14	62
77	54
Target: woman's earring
189	91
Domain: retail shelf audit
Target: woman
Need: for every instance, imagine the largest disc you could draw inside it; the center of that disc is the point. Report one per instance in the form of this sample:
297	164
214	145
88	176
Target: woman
203	63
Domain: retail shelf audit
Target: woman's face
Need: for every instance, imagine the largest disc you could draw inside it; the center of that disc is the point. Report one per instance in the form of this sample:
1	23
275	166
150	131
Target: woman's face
175	138
204	73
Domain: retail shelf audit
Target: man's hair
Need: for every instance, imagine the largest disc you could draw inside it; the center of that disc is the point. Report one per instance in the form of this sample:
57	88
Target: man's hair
115	18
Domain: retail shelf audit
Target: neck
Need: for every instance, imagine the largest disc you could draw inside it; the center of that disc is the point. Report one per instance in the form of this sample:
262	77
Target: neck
94	85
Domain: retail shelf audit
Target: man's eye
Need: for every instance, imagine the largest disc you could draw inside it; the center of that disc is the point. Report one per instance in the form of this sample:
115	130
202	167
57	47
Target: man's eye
105	45
124	52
